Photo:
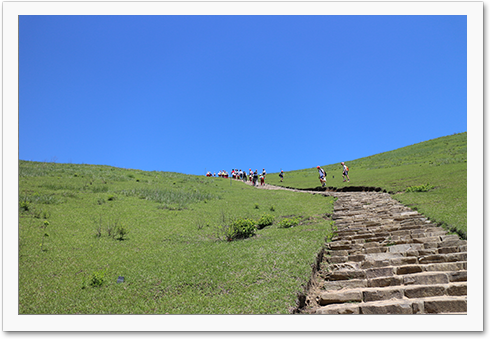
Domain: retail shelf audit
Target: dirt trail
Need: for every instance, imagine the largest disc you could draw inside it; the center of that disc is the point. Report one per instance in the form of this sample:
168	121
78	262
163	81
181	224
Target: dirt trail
385	259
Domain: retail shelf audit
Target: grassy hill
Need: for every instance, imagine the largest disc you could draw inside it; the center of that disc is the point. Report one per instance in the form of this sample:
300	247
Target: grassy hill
439	162
167	234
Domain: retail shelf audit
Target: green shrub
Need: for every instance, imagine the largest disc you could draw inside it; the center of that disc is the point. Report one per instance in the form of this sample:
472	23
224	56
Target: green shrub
24	206
97	279
240	229
265	220
421	188
289	222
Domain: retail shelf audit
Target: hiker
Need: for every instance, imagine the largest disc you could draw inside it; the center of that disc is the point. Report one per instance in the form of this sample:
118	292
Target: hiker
345	172
281	175
322	175
250	174
255	177
262	177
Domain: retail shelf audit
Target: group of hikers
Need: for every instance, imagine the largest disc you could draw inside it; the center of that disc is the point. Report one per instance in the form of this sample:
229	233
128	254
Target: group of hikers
322	175
236	174
254	177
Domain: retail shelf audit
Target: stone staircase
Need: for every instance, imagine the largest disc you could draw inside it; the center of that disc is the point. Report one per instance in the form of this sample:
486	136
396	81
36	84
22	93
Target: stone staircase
387	259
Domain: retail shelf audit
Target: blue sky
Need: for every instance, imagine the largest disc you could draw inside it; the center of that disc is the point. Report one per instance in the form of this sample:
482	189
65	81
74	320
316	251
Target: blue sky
192	94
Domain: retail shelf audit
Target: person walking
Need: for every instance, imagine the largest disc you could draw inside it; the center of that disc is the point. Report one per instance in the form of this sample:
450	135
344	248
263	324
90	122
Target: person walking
345	172
262	177
322	175
255	177
281	175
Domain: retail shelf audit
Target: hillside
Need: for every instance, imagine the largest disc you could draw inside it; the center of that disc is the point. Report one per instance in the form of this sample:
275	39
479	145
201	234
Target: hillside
81	227
439	162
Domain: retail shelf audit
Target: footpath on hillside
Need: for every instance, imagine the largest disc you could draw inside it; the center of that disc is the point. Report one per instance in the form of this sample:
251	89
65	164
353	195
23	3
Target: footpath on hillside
384	259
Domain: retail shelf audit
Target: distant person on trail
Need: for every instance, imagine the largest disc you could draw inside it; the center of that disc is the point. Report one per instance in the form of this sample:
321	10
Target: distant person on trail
322	175
255	177
345	172
250	174
281	175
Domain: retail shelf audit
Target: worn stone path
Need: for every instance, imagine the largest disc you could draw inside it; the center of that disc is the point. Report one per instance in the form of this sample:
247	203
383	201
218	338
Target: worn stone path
385	259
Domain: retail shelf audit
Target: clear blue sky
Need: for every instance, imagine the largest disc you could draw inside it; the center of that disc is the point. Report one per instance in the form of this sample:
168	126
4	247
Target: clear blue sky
194	93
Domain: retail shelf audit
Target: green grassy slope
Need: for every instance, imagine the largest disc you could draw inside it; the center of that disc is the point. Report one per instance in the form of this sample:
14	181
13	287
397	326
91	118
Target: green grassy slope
439	162
174	258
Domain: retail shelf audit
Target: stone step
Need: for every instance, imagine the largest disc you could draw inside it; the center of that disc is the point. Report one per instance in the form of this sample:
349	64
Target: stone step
391	233
412	274
372	260
365	294
439	305
388	230
440	258
425	246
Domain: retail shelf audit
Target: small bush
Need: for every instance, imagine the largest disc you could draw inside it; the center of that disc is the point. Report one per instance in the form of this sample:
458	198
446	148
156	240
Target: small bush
111	197
97	279
272	208
265	220
288	222
256	206
240	229
421	188
24	206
